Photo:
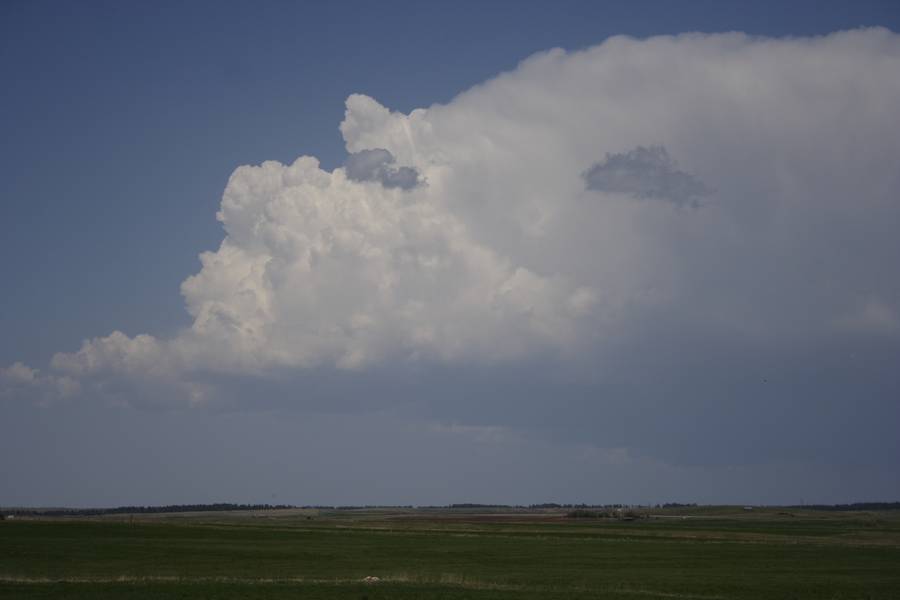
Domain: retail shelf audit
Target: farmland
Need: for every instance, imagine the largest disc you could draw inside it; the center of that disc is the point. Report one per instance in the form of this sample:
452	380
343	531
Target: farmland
702	553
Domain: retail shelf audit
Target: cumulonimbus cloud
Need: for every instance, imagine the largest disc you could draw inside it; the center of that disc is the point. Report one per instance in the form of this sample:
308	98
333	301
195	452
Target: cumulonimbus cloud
482	238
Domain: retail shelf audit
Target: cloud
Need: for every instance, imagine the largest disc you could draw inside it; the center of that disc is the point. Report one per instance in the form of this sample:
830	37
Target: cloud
320	269
647	173
871	316
506	255
19	381
377	165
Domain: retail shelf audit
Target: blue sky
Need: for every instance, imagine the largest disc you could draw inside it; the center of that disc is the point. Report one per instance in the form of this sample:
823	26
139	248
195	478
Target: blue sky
122	123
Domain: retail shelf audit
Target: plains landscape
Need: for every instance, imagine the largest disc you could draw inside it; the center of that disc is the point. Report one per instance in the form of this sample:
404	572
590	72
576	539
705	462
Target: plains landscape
704	553
450	299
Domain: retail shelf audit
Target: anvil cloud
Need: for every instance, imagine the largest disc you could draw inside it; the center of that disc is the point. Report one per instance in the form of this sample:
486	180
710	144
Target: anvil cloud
542	214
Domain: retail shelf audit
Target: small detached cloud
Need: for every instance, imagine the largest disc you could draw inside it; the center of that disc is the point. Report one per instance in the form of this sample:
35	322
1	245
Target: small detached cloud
378	165
646	173
872	316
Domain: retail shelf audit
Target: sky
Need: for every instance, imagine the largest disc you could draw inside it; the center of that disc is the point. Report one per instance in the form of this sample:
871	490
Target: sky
426	253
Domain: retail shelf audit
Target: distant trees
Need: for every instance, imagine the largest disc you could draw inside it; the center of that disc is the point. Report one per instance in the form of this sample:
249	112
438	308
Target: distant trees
627	514
171	508
609	512
588	514
856	506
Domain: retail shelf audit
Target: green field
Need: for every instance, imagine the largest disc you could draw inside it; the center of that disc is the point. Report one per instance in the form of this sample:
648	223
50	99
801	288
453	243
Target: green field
703	554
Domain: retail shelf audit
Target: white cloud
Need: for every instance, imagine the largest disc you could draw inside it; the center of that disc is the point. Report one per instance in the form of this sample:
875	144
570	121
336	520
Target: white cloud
319	269
116	353
505	254
21	381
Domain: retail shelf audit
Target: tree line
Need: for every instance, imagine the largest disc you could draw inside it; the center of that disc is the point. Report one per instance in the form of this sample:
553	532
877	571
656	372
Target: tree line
120	510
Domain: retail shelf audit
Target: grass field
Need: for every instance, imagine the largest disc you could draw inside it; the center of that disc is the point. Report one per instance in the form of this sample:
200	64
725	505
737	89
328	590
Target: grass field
701	553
